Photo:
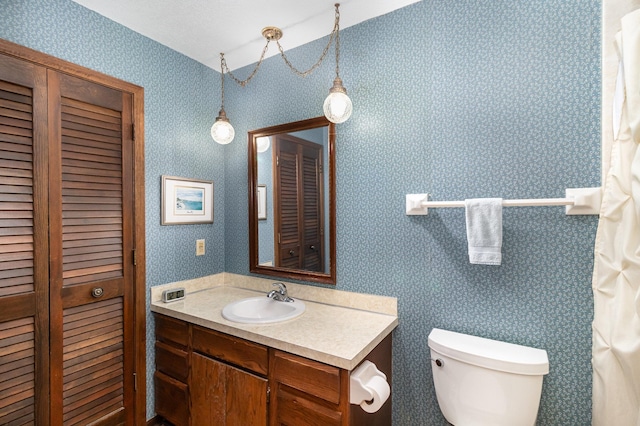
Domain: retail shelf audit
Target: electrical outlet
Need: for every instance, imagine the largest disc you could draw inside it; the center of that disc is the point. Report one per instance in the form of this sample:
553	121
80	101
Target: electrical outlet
199	247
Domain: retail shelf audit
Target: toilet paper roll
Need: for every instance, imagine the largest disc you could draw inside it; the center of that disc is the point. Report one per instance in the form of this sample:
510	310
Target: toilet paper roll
380	390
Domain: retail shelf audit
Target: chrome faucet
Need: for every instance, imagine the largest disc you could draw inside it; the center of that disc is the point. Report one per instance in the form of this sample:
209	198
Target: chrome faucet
281	294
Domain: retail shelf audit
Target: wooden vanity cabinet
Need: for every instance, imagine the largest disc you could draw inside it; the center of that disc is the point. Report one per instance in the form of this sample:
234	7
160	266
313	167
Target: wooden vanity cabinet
172	370
204	377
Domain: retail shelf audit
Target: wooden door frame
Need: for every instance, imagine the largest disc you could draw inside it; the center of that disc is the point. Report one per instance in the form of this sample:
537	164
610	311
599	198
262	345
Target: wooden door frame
139	280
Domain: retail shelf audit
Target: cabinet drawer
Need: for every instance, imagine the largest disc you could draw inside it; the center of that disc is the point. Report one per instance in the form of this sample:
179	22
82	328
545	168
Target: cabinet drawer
172	361
311	377
172	399
233	350
172	331
295	409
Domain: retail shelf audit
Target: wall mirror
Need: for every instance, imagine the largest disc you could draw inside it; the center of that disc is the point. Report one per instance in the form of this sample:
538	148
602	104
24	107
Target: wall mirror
292	201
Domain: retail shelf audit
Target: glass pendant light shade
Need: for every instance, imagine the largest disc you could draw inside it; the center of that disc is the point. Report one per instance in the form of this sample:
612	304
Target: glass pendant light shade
222	130
263	143
337	106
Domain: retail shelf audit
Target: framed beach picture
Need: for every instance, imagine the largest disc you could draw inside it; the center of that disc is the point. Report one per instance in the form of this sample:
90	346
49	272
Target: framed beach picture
262	202
186	201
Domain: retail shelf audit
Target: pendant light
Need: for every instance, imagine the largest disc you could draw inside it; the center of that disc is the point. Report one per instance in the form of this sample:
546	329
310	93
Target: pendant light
222	131
337	106
263	143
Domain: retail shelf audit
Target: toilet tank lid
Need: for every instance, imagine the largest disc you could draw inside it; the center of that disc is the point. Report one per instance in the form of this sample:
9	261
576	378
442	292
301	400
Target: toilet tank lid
493	354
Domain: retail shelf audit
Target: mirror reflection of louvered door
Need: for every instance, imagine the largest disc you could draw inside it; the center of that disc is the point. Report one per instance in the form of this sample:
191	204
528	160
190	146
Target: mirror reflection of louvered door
298	204
66	249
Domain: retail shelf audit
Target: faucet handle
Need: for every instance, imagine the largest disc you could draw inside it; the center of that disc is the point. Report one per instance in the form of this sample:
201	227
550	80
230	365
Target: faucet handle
281	287
280	294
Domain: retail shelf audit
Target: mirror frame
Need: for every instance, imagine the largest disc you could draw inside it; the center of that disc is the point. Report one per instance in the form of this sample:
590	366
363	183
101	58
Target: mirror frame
287	273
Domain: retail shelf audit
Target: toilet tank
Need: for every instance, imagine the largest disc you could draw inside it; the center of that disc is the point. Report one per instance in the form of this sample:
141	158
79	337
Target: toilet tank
480	381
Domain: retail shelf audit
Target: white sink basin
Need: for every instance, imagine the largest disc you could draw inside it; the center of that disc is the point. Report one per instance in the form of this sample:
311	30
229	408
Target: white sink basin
262	310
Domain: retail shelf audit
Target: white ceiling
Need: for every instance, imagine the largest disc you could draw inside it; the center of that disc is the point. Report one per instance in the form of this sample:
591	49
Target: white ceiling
201	29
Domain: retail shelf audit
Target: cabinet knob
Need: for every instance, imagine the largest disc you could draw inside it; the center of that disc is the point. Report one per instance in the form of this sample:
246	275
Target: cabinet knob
97	292
291	252
312	247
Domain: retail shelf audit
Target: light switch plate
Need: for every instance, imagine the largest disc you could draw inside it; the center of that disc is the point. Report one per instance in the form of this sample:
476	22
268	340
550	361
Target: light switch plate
199	247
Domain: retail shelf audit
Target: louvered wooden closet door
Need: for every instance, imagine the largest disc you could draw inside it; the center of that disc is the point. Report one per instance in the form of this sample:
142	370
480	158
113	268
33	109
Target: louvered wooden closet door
90	187
23	244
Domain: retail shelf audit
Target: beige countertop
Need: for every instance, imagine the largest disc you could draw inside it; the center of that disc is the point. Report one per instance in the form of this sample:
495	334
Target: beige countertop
337	335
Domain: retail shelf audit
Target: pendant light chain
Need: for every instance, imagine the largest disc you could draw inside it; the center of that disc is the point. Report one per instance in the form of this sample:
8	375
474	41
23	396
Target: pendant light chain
337	31
222	80
223	66
334	34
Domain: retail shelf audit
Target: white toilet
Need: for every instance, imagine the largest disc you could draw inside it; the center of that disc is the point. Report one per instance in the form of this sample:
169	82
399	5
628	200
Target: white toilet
486	382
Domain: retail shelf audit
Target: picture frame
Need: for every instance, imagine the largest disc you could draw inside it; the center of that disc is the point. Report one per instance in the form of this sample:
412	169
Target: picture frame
186	201
262	202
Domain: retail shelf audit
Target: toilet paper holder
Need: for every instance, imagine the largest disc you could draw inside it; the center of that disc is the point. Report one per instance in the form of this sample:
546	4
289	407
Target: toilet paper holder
360	393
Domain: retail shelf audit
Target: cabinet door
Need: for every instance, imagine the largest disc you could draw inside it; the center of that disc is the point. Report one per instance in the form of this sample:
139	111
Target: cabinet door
224	395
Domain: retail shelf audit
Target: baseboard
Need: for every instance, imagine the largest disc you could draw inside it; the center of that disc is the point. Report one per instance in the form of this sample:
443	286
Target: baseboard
155	421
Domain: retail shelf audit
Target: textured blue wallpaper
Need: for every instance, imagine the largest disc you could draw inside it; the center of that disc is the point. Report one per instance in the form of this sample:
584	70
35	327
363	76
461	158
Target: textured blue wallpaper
266	226
181	102
459	99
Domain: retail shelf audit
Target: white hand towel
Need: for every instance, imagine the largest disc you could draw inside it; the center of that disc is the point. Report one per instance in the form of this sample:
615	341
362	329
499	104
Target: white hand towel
484	230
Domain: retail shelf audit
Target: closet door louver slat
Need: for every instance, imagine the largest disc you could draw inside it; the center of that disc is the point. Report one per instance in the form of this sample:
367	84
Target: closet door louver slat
17	360
16	189
81	192
93	368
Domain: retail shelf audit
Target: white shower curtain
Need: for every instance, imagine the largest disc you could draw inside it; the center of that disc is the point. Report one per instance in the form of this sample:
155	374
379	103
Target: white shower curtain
616	278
